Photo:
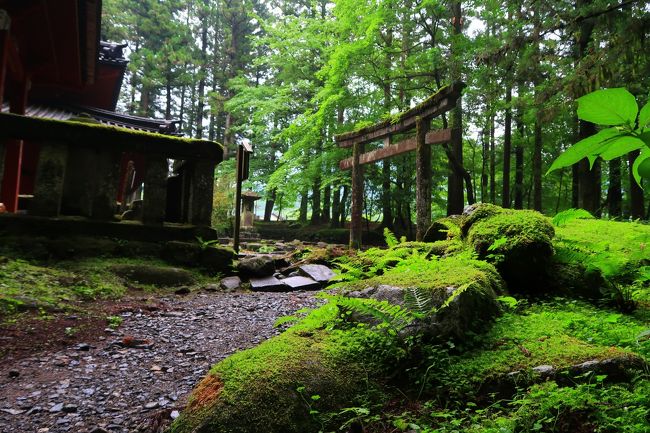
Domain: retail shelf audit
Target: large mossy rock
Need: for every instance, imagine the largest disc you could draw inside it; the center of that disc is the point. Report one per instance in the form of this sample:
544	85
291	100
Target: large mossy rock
518	242
444	229
456	294
283	384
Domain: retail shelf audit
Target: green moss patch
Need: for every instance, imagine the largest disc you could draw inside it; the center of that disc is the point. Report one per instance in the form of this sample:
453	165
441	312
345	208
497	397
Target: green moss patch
434	275
519	243
561	334
284	384
33	286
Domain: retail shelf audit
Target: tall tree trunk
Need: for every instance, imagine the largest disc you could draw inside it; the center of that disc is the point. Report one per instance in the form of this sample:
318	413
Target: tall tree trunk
336	207
614	194
575	186
493	188
387	216
327	197
200	108
315	202
270	202
590	180
519	159
344	205
507	148
537	164
485	138
636	193
455	196
304	201
168	97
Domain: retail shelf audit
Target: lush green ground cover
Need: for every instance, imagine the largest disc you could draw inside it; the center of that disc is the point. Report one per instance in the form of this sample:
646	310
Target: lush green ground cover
550	362
43	287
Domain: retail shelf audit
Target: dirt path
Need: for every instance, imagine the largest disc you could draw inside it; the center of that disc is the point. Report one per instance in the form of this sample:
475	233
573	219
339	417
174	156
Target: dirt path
137	377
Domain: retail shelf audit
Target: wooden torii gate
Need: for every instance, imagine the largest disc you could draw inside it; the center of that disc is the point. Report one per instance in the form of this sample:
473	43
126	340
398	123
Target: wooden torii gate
418	117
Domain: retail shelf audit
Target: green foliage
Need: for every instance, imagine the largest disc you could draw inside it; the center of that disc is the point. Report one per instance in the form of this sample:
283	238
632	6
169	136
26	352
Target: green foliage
391	239
391	317
564	217
618	109
616	250
114	322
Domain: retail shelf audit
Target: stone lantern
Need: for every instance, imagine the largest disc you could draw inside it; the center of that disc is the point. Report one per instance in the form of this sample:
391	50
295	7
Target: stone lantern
248	203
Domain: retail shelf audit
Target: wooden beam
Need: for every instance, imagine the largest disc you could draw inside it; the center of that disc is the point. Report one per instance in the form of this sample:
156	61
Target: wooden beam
437	104
79	135
404	146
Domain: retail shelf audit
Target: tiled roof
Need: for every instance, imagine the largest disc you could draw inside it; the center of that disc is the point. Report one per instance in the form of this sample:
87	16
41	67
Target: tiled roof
105	117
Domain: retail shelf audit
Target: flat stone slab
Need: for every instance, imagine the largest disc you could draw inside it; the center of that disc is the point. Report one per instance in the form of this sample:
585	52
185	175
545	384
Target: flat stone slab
230	283
319	273
301	283
268	284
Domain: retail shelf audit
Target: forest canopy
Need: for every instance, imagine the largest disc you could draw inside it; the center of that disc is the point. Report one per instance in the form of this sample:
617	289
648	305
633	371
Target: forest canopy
289	75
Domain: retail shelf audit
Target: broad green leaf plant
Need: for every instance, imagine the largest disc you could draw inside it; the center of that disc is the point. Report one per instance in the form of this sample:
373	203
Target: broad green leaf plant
625	129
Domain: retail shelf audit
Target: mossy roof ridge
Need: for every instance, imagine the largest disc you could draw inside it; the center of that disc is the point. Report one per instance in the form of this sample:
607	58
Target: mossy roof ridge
91	134
442	93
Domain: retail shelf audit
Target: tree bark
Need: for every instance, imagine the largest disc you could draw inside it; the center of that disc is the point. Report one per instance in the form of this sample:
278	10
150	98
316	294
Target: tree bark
336	212
614	194
455	197
493	189
507	149
590	180
636	193
537	165
327	197
270	203
519	155
304	200
315	202
343	205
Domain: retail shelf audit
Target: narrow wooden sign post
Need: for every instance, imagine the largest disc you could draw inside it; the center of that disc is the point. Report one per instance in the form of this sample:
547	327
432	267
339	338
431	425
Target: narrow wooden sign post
244	152
418	118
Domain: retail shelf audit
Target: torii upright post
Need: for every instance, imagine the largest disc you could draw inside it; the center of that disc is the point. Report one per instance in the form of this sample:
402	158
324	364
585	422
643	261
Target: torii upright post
357	197
422	178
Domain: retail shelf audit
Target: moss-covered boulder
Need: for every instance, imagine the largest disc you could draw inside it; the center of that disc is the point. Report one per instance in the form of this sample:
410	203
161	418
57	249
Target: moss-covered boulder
444	229
518	242
284	384
455	294
477	212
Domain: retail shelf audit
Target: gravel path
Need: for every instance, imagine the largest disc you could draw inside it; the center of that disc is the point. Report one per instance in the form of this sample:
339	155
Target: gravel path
136	378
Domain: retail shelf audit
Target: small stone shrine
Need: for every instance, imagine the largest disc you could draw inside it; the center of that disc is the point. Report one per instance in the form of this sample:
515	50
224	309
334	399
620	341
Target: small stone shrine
248	203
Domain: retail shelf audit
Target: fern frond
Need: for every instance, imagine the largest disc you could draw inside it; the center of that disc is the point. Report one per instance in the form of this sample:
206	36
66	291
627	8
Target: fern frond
391	239
418	300
570	214
388	315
